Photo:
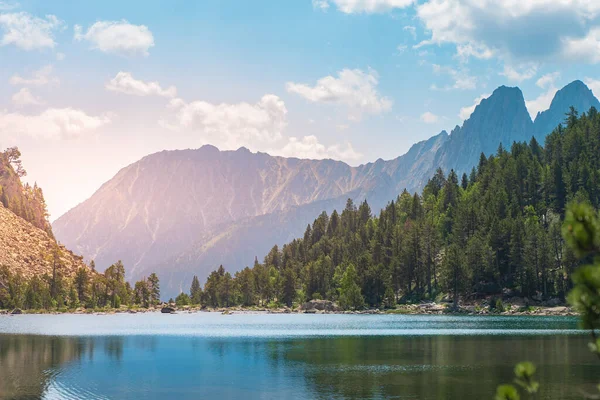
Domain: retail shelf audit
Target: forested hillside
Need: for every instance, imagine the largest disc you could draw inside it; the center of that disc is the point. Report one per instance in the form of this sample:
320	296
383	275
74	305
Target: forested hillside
496	229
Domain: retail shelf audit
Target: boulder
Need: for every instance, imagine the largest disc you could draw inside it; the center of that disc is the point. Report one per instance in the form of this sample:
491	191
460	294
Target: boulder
319	305
553	302
557	310
518	301
16	311
431	307
167	310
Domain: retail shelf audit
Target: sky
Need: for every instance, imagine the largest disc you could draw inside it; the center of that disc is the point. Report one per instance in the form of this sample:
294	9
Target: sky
88	88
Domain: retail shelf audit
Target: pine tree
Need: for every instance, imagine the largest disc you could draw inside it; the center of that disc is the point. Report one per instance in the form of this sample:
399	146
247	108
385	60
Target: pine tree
350	295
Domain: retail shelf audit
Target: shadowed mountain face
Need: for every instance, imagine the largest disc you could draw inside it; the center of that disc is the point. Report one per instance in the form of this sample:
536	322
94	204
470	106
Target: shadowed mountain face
501	118
184	212
575	94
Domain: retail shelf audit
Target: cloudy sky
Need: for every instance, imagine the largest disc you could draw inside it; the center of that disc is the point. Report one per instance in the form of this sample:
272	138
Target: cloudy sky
90	87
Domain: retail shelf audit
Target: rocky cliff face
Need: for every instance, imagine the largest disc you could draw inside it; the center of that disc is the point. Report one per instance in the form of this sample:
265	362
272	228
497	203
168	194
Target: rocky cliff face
181	213
28	250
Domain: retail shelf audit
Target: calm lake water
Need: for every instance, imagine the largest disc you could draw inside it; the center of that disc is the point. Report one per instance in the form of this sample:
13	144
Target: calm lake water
208	355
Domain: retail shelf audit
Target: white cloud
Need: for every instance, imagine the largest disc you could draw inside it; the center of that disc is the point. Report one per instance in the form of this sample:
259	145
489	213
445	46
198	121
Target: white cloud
547	80
542	102
465	112
28	32
462	79
411	30
465	51
60	56
352	88
118	37
401	48
429	118
124	82
370	6
24	97
594	85
4	6
53	123
309	147
41	77
585	48
534	30
520	73
322	5
231	125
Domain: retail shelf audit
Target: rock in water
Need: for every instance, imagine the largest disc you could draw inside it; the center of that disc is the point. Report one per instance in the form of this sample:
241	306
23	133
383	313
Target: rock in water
167	310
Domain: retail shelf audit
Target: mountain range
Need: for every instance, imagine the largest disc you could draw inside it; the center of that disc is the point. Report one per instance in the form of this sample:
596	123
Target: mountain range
182	213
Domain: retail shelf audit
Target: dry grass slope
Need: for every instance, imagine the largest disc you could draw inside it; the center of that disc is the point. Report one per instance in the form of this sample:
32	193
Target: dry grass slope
27	250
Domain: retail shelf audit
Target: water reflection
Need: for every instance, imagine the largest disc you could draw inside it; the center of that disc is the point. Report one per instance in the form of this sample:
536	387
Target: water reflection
343	367
440	367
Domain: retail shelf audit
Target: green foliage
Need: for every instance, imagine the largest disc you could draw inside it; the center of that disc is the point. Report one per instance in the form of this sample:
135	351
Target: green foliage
183	299
57	291
507	392
581	229
524	380
195	291
499	306
350	295
498	228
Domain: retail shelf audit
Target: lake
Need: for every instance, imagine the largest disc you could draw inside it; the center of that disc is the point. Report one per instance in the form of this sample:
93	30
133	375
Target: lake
295	356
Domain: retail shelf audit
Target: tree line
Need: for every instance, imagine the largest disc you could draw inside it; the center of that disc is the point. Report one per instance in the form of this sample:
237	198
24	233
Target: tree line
60	289
494	230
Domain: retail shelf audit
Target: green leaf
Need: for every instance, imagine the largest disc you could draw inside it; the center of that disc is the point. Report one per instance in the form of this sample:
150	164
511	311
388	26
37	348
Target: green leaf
507	392
524	370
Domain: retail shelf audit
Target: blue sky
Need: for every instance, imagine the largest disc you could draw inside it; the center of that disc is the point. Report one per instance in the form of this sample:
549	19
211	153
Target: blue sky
89	87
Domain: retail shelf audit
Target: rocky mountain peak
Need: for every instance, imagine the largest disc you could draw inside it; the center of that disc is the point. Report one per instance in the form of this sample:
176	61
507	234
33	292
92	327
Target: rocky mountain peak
576	94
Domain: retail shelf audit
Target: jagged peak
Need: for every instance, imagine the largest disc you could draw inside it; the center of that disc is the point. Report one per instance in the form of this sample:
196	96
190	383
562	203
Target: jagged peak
503	99
504	90
576	94
575	88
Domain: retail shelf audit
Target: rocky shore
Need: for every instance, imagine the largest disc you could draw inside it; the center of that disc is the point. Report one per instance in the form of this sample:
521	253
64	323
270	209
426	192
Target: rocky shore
328	307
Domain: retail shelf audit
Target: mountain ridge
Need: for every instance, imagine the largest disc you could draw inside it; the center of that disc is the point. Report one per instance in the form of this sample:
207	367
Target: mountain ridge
216	196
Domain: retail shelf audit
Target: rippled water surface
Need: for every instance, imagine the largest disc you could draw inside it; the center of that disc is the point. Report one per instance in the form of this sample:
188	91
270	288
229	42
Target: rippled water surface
208	355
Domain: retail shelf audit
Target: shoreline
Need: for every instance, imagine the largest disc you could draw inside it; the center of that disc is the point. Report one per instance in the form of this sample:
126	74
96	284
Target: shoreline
410	309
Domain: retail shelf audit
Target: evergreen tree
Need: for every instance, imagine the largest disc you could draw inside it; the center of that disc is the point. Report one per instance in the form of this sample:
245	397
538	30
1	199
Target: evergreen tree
350	295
